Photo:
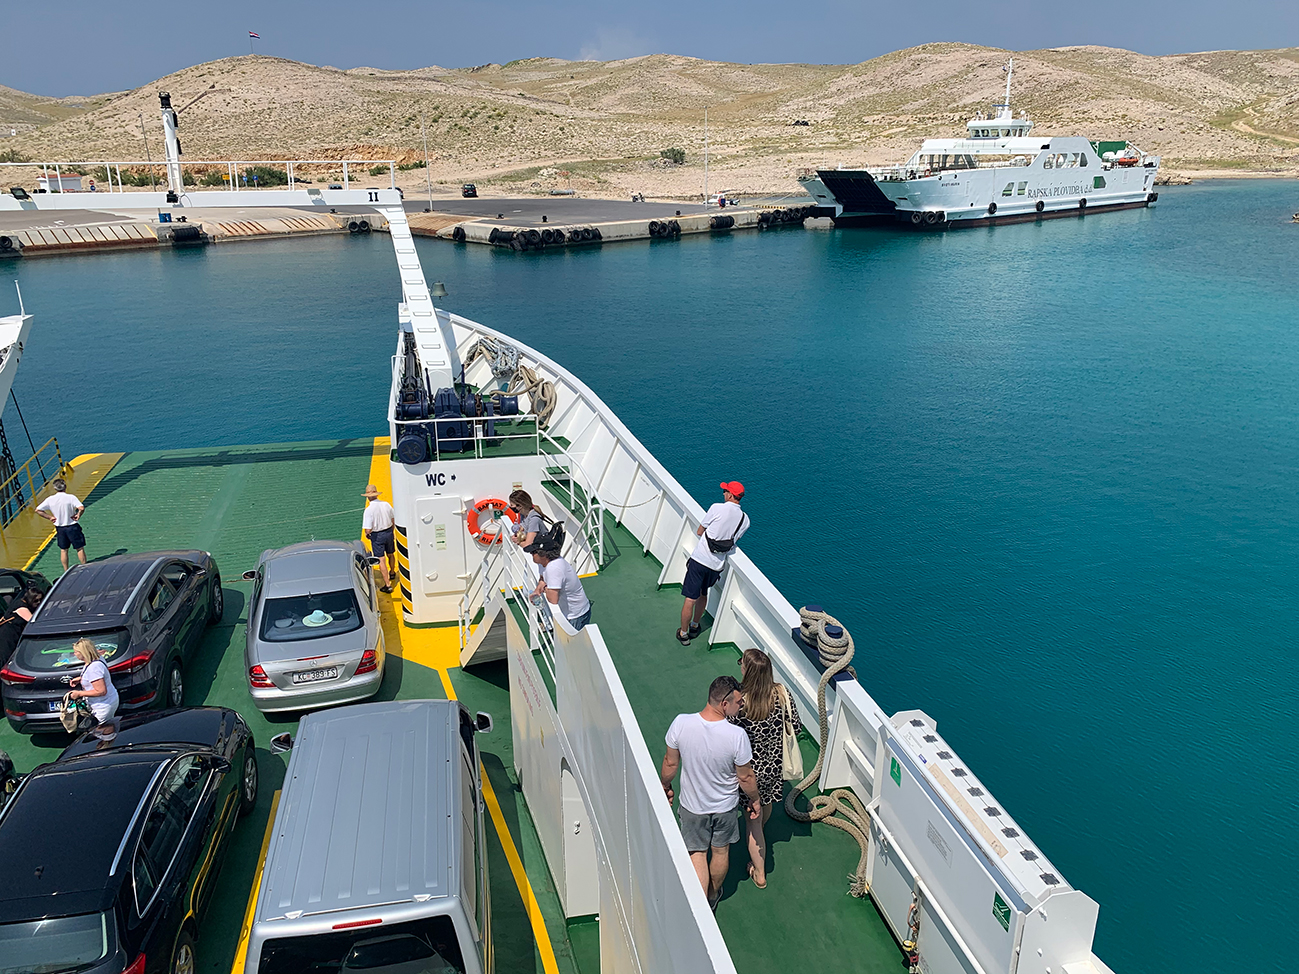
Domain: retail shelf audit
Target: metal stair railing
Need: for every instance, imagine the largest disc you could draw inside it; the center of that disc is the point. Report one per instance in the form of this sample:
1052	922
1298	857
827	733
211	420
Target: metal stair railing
19	490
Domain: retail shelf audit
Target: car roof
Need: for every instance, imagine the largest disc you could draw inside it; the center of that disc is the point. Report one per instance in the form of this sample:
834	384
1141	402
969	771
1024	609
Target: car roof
177	730
98	594
61	833
310	566
363	819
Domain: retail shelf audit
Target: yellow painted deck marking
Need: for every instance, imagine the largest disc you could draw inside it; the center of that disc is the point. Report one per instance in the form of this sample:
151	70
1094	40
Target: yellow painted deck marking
439	649
530	905
22	542
246	930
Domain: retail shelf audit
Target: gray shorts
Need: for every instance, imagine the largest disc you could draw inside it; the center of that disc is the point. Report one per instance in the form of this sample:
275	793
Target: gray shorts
717	830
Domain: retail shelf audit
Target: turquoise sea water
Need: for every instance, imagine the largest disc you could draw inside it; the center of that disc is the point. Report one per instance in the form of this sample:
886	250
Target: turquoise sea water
1047	474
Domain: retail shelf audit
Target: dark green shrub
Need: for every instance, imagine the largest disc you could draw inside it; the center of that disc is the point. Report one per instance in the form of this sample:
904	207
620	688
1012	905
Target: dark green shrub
674	155
265	176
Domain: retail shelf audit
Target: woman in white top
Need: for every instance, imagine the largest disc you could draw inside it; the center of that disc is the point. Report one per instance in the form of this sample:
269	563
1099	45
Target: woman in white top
96	685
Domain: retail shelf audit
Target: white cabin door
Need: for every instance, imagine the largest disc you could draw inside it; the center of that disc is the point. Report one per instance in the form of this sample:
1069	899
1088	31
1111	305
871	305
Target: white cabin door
439	552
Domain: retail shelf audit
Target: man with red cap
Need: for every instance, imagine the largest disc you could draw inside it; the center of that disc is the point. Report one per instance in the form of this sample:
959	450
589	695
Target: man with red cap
721	528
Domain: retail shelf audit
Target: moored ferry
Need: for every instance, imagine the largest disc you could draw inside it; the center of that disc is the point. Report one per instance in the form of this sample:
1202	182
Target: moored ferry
998	173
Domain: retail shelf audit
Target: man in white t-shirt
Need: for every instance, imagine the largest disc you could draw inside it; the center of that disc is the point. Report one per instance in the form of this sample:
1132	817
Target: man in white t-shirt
65	511
722	527
716	762
377	527
561	586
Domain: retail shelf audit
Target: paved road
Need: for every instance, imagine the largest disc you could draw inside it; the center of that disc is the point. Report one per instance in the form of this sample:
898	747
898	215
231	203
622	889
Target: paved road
49	219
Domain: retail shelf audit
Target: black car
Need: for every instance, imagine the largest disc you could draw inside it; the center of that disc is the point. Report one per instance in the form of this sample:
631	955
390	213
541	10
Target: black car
110	854
145	613
15	581
469	191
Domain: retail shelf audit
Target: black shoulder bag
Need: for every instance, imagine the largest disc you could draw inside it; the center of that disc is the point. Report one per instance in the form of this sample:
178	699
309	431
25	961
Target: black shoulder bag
722	547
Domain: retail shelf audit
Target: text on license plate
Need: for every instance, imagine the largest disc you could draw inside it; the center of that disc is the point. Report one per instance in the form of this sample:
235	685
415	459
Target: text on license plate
56	706
311	676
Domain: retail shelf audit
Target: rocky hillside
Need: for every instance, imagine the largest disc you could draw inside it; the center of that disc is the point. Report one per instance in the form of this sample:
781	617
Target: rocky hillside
600	126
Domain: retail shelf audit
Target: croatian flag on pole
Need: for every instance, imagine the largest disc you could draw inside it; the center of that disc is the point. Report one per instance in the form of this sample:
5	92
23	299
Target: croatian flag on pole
258	36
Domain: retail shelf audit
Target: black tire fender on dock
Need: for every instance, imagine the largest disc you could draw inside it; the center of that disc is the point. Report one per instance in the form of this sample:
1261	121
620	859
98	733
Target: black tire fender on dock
675	227
1039	206
654	228
931	218
547	236
458	235
534	237
363	226
916	217
1082	203
594	233
353	226
6	243
992	208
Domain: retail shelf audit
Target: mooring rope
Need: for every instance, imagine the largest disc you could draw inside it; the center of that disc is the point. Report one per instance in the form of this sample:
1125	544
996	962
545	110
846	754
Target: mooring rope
503	358
840	808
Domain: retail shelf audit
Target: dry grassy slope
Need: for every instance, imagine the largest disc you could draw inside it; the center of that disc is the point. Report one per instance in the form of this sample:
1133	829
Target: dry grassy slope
24	112
606	121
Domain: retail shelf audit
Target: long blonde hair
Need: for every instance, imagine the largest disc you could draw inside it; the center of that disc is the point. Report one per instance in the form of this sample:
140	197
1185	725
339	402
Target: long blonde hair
757	687
86	651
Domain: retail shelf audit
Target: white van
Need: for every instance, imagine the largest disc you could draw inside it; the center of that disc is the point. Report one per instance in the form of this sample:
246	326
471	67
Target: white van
377	860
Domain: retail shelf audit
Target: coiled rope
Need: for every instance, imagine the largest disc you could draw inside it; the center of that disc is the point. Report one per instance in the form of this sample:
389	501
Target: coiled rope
840	808
503	359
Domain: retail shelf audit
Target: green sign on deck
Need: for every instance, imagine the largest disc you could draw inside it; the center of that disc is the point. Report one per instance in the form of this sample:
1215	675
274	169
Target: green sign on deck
895	771
1001	911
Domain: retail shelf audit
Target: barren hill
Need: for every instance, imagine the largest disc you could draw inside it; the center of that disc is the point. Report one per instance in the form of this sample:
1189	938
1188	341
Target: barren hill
516	126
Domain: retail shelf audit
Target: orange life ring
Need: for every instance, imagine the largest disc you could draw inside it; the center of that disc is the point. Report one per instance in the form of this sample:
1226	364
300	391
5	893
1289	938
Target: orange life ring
494	504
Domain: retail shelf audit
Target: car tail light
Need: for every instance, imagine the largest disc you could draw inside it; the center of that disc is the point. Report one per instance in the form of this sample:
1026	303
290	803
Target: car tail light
14	713
142	699
137	966
132	664
257	677
368	663
357	923
9	676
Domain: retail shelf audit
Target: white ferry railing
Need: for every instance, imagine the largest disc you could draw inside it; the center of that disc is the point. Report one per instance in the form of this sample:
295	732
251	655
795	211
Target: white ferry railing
608	463
58	171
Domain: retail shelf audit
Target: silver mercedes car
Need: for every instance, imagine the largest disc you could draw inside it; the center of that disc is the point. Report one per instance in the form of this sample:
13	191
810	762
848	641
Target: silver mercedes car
314	637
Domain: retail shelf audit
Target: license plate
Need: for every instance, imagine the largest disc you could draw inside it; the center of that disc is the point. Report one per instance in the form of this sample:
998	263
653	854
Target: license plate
55	706
313	676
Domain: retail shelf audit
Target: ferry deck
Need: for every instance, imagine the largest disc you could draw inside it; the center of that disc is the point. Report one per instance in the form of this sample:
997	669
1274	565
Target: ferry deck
238	501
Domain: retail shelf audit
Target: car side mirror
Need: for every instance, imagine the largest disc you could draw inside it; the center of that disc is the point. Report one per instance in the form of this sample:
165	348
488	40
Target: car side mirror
281	743
483	723
372	560
218	764
250	574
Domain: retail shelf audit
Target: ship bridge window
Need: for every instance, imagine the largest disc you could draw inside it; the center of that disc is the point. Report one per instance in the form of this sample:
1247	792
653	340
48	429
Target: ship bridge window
1082	160
1048	162
1098	182
1005	132
1009	190
1073	160
1022	187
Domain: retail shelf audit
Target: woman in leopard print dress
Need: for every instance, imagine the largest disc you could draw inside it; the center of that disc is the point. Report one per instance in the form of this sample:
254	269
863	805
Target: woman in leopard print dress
763	720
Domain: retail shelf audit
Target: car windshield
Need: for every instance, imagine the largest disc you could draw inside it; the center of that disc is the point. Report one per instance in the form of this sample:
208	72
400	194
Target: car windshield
62	944
53	654
310	616
426	946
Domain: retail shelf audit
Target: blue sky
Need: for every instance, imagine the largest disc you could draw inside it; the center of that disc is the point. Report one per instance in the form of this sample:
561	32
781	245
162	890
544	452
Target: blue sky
80	47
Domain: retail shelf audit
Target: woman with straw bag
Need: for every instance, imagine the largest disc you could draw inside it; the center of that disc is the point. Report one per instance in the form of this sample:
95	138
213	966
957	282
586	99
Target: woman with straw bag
766	712
97	690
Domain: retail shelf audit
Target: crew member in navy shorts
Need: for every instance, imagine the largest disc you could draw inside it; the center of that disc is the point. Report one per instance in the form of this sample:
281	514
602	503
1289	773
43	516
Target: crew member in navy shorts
65	511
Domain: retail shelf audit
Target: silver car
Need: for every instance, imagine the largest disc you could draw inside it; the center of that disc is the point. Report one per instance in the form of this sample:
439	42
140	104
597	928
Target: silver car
314	637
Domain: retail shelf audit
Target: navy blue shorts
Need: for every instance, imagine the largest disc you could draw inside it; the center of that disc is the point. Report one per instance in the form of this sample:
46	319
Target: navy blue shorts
70	536
382	543
699	579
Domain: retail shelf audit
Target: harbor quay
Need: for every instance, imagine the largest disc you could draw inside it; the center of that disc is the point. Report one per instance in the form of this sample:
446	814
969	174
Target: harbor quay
517	224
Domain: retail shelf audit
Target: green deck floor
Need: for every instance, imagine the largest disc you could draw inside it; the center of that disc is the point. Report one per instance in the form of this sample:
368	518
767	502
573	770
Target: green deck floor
236	502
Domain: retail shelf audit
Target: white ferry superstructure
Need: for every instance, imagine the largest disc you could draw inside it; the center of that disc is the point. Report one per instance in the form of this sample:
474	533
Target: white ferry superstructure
998	173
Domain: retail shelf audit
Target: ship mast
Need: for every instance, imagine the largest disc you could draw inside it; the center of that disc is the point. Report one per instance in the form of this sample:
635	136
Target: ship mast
1010	73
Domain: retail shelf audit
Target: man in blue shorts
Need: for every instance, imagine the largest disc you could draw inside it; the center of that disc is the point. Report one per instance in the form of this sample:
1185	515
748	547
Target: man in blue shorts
65	511
723	525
